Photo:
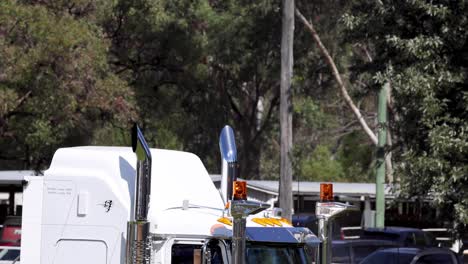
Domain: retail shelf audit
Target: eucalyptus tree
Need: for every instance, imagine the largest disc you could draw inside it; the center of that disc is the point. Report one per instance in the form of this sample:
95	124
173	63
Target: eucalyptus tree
244	60
421	48
56	87
332	106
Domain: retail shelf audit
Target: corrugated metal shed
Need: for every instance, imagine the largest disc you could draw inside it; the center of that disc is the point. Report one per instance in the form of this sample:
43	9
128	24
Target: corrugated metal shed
313	188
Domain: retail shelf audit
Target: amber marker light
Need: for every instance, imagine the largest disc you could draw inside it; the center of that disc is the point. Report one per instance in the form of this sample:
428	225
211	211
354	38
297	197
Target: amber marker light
267	221
225	221
275	221
259	221
285	221
239	190
326	192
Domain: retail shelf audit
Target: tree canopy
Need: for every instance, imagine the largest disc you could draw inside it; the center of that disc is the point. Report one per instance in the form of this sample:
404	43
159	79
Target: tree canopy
55	81
79	72
421	48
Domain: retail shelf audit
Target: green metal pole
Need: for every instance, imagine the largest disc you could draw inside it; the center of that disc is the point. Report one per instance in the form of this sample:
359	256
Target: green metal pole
380	178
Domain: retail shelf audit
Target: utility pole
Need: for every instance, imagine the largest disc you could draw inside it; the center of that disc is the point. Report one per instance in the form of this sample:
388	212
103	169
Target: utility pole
380	177
287	37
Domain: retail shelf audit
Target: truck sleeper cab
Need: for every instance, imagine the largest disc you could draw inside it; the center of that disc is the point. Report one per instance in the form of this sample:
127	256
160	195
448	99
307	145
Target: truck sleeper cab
78	213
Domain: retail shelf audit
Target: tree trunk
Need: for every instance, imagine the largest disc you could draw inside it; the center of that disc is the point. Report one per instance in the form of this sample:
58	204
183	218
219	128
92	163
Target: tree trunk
338	79
344	91
285	183
249	155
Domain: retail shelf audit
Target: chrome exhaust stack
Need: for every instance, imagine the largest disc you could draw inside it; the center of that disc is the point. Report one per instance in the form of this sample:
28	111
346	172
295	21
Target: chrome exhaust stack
239	207
229	165
143	180
326	211
138	239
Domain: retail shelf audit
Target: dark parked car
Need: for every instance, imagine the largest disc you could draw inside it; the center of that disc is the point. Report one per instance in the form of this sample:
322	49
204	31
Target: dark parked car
9	255
306	220
404	236
412	256
353	251
346	219
464	249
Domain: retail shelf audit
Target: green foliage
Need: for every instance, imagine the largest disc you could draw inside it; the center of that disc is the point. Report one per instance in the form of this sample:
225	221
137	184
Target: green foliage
421	48
320	166
323	158
159	48
76	72
309	113
55	83
356	157
321	116
243	60
349	160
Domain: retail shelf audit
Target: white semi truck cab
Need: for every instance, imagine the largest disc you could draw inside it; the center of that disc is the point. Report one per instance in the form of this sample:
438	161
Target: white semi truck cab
122	205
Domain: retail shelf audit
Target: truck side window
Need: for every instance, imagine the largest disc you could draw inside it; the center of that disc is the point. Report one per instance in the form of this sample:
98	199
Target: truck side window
216	256
186	254
214	252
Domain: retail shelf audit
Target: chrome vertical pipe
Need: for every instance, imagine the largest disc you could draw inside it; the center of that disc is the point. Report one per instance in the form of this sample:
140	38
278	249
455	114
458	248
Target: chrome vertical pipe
227	146
326	212
239	209
229	165
138	244
324	234
143	179
238	240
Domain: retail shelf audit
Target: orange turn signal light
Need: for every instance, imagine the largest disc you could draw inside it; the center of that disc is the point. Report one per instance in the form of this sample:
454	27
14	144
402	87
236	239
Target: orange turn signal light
239	190
326	192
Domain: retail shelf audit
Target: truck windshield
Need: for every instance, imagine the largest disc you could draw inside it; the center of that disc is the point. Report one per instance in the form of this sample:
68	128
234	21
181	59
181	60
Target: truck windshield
276	253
